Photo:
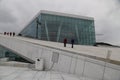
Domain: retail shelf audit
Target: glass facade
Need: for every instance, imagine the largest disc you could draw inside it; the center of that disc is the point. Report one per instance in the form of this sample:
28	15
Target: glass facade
55	28
5	53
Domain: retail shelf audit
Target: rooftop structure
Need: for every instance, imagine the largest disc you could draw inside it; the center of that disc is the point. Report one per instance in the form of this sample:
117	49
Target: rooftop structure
55	26
65	15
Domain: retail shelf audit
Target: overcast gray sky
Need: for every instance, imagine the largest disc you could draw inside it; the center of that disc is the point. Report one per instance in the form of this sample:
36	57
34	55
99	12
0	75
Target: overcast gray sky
15	14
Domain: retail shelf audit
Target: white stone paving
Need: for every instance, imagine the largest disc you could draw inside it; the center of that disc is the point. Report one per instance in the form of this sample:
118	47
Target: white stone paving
17	73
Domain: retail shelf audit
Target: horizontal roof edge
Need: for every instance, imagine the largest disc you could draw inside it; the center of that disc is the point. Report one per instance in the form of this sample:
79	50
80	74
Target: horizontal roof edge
66	14
56	13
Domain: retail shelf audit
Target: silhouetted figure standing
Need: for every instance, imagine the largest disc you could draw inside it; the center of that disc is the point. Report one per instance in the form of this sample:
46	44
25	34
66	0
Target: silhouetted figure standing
4	33
65	41
10	33
13	33
72	42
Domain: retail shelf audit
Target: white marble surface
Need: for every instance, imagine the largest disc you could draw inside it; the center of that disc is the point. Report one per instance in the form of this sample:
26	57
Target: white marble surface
101	52
69	61
15	73
14	64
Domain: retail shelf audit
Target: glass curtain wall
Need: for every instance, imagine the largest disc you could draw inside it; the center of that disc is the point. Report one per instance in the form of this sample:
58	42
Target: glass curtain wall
56	28
5	53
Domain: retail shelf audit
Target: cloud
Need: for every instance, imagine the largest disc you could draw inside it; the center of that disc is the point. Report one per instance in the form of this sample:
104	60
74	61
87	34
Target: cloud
105	12
110	25
7	20
6	14
6	17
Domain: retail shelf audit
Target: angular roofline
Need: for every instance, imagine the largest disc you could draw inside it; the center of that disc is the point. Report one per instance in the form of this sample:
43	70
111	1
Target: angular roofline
30	21
56	13
66	14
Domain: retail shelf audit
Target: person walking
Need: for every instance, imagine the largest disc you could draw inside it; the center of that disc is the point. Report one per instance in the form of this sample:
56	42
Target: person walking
10	33
13	33
65	41
72	42
4	33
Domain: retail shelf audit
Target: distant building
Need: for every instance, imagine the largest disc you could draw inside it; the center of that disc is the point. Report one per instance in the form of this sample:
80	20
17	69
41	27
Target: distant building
102	44
55	26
